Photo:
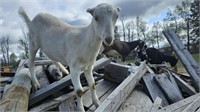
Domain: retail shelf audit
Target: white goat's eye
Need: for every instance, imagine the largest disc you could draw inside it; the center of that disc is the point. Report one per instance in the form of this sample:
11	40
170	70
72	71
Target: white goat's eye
96	18
117	17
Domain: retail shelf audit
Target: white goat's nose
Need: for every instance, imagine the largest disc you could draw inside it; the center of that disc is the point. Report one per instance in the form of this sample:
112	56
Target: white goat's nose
109	40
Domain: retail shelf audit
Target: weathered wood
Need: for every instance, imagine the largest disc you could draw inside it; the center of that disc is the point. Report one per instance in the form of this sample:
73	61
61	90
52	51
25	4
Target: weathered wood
137	101
6	79
187	60
101	89
58	85
116	72
167	86
54	102
7	74
149	69
115	99
193	106
41	62
183	85
16	97
198	110
102	98
180	104
153	89
100	63
68	105
41	76
50	89
156	104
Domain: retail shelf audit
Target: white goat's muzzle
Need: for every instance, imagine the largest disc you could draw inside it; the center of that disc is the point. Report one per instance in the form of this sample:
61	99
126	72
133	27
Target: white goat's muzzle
108	41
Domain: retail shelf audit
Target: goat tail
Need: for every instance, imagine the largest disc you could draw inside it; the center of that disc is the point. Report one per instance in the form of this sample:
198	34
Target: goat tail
23	14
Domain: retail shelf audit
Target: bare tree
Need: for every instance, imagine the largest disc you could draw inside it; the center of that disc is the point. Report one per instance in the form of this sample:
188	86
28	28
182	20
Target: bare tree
23	43
122	19
5	49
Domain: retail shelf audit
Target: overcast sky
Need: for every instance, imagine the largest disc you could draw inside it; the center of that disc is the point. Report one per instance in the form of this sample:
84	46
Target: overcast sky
74	12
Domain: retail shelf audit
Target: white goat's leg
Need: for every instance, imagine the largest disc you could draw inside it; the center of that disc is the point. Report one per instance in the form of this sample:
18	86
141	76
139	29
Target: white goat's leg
32	53
91	82
62	68
75	77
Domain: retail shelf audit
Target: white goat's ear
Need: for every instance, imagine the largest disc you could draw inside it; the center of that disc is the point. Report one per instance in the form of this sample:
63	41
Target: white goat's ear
118	9
90	10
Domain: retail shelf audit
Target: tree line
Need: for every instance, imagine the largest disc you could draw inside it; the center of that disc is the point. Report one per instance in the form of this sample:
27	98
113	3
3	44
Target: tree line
183	19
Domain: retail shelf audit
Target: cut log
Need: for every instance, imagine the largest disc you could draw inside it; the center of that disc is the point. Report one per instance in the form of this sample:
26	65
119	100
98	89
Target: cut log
116	72
16	97
115	99
167	85
153	90
187	60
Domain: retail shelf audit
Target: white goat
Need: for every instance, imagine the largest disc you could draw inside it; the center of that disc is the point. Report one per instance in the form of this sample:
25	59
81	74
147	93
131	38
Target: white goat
76	47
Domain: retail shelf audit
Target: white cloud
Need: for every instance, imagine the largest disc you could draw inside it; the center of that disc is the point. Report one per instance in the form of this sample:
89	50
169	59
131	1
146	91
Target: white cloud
72	11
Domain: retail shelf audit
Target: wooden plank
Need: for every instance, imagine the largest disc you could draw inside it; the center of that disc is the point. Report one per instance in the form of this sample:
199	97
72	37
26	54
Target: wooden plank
175	106
116	98
68	105
103	97
193	106
7	74
198	110
156	104
53	103
116	72
153	89
16	97
149	69
100	63
137	101
183	85
41	62
58	85
167	86
41	76
101	89
50	89
187	60
6	79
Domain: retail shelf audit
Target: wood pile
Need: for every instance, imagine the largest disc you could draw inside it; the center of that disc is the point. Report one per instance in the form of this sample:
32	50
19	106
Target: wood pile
120	87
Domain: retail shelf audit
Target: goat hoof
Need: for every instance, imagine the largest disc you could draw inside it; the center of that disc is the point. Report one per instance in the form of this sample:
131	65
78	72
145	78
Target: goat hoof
35	87
97	104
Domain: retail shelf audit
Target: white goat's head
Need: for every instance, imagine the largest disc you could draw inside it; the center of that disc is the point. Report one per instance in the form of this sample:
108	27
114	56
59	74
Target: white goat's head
104	20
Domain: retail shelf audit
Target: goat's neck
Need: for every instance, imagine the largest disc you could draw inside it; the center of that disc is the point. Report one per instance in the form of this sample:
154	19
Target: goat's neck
92	35
133	44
